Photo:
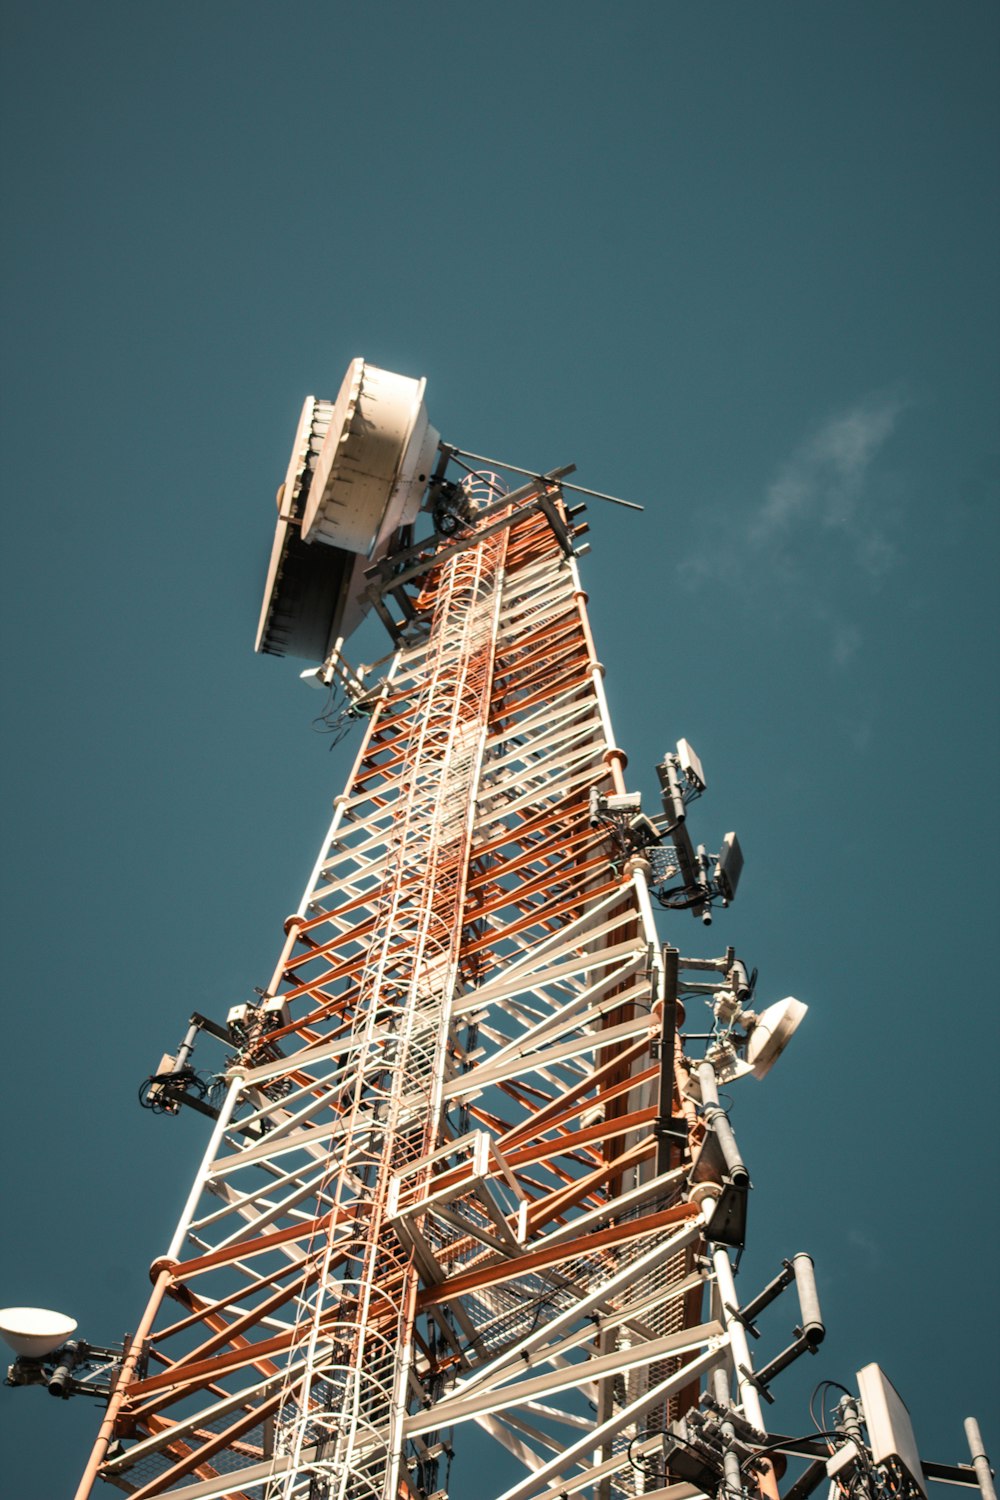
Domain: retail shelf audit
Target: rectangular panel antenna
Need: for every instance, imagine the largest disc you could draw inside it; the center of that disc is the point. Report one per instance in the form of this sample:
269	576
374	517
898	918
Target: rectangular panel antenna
890	1431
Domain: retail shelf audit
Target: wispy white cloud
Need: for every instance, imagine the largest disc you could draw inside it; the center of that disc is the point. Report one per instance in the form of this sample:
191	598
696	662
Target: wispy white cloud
824	483
821	522
863	1245
846	642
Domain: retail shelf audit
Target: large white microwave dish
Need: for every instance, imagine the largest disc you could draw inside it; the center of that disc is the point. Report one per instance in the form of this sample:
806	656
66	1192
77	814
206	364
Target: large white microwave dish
374	463
359	469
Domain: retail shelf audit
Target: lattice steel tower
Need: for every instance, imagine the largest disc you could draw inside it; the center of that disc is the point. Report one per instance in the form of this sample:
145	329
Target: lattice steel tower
464	1174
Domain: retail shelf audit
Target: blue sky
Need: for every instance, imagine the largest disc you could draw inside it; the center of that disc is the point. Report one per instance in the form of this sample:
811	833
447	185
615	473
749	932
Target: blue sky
737	263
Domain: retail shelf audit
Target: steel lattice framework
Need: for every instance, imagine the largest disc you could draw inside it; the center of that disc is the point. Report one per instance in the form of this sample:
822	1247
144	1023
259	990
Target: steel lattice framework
439	1193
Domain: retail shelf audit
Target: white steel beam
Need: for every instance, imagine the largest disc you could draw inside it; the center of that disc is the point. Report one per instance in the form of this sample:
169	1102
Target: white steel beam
448	1412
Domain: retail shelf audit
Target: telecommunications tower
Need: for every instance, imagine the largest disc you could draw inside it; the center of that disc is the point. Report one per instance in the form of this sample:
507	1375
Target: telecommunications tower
467	1172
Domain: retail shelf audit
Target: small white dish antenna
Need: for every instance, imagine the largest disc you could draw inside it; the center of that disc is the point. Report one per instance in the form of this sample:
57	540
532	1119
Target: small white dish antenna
772	1032
34	1331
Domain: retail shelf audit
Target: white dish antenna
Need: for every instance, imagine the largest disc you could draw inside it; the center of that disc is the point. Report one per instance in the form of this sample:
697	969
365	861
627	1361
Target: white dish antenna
772	1032
374	463
34	1331
359	469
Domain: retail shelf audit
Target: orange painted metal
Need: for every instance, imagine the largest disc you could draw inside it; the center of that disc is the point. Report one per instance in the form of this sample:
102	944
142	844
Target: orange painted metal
350	1248
565	1250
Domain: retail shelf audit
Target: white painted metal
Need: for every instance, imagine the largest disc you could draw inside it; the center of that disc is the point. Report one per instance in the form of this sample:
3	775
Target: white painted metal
201	1177
980	1461
34	1331
772	1031
579	1302
890	1431
374	462
631	1357
729	1304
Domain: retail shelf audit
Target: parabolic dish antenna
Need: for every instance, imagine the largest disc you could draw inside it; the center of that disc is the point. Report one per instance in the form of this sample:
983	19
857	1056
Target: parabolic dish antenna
772	1032
358	472
34	1331
374	462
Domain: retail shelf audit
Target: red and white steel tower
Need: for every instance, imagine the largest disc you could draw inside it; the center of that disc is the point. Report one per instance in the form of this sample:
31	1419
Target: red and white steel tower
463	1173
